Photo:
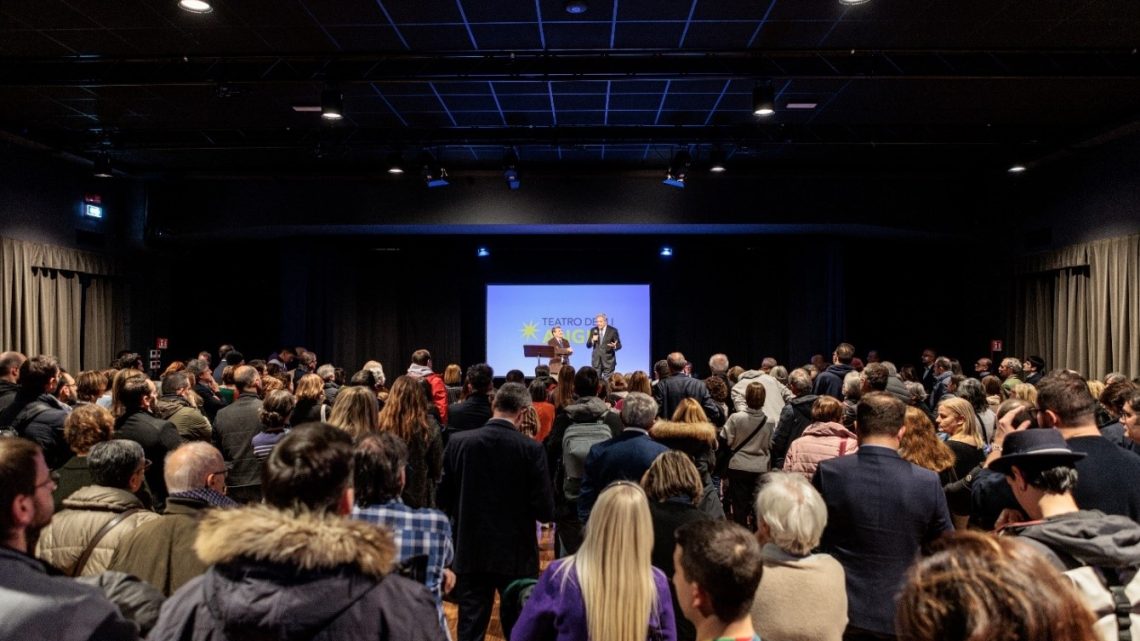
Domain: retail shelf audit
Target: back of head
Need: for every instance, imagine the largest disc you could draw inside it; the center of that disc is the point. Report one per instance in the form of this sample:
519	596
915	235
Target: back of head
974	585
188	467
617	383
1067	395
852	385
844	353
586	381
10	363
638	410
755	395
453	374
676	362
197	367
480	376
793	511
540	371
879	414
826	409
355	411
134	390
17	477
276	408
327	372
127	360
672	474
942	363
768	362
309	469
245	377
718	364
876	375
87	425
1116	394
112	463
378	458
661	368
511	399
639	382
689	411
421	357
234	358
515	376
971	390
36	373
175	382
310	388
363	378
718	390
90	385
724	560
537	389
799	381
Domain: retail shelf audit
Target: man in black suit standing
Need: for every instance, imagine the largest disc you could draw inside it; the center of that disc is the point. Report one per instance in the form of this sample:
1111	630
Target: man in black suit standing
562	349
605	342
882	510
494	487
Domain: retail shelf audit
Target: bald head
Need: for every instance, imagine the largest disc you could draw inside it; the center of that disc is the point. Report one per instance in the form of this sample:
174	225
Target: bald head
676	362
189	466
10	363
246	377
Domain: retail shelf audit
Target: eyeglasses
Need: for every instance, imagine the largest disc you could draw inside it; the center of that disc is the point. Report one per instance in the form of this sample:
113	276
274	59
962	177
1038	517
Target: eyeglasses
53	480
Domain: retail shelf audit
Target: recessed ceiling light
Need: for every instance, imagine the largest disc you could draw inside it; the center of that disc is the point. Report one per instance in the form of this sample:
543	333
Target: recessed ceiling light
764	99
576	7
716	161
395	164
801	105
195	6
332	104
853	2
1016	169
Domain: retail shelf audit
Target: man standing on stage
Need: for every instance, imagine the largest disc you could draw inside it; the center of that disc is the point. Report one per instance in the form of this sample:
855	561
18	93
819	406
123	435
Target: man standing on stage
605	342
562	349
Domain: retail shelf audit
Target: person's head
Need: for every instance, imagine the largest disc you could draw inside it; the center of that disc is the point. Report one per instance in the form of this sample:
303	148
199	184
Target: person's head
515	376
564	392
234	358
194	466
1064	400
799	381
974	585
780	373
138	393
638	410
920	444
310	470
90	385
39	375
660	369
118	407
199	369
537	389
176	384
971	390
453	375
379	470
421	357
87	425
10	363
310	388
541	372
118	463
1033	364
875	376
1009	367
852	386
826	409
879	415
617	383
819	362
26	485
767	363
718	364
510	401
690	411
639	382
354	411
676	362
718	567
1027	392
586	382
556	332
127	360
873	356
1130	416
754	396
376	368
1037	463
956	418
327	373
992	385
480	377
928	356
941	365
276	409
405	413
601	321
790	513
916	392
246	379
983	365
1114	396
65	388
844	352
718	390
672	474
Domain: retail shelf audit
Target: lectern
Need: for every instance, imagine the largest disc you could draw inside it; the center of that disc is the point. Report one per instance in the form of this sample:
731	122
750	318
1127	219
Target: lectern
539	352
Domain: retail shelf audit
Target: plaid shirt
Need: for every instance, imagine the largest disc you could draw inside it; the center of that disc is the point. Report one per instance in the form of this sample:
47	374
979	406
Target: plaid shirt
417	532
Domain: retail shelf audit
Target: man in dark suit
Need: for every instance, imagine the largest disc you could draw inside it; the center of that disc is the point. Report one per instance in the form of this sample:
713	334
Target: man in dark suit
475	411
928	375
882	510
234	430
562	349
671	390
157	437
605	342
494	487
624	457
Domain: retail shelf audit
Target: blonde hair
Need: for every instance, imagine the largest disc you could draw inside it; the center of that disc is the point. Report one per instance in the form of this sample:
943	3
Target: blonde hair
310	388
690	411
971	431
613	565
1027	392
1096	388
672	474
793	511
355	412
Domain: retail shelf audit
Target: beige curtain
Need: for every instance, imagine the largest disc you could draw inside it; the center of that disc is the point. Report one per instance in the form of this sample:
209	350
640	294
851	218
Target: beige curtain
42	293
1079	307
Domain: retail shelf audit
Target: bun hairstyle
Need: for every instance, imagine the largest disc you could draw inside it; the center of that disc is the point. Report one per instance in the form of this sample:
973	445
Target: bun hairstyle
276	408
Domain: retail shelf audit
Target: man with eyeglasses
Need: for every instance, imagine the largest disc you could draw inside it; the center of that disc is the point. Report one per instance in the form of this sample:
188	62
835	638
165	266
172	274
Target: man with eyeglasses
161	552
33	603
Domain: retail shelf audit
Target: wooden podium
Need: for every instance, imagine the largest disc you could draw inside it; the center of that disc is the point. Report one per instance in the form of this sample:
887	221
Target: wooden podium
539	352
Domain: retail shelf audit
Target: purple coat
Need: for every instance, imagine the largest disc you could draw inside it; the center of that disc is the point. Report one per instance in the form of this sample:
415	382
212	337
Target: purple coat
552	613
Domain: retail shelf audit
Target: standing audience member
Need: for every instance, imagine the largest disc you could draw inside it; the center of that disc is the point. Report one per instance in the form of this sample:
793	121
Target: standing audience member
748	435
85	426
801	595
275	415
310	397
795	417
406	415
830	381
957	420
423	534
355	412
1010	372
1112	401
775	394
475	410
10	363
34	413
920	445
971	390
161	551
328	383
718	567
823	440
881	510
453	380
942	375
670	391
139	424
1034	369
234	431
542	407
421	368
205	387
175	406
82	538
38	604
691	433
494	487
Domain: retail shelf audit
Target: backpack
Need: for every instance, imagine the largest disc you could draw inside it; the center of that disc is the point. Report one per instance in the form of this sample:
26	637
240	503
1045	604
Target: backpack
576	444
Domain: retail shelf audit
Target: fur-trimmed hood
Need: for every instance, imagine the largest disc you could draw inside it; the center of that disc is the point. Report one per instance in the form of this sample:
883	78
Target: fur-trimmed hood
306	541
671	431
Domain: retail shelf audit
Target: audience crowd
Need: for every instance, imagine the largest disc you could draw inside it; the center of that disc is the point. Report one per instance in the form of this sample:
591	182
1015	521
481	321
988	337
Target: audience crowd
843	499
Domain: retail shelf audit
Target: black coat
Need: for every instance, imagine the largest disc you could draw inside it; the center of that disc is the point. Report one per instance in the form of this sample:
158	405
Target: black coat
234	431
40	419
157	437
794	419
494	487
669	393
469	414
211	402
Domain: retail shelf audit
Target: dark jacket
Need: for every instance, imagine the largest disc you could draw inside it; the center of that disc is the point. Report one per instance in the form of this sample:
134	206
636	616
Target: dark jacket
1088	536
306	411
494	487
794	419
331	390
234	431
669	393
276	575
161	551
624	457
158	438
40	419
830	380
469	414
881	511
940	390
7	394
668	516
425	463
211	402
590	409
192	425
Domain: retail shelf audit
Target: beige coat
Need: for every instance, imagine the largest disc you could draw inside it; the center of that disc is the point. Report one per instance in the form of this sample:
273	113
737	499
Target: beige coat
85	513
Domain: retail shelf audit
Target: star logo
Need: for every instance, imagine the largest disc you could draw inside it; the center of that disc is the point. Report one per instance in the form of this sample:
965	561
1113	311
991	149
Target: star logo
529	330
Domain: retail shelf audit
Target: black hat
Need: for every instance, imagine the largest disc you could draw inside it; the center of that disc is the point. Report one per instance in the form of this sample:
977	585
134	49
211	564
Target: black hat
1041	446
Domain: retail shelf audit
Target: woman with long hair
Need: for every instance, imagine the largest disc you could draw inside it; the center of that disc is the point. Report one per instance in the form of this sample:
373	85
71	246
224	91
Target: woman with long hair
563	393
405	414
971	390
355	412
956	418
920	445
310	395
543	408
608	590
691	432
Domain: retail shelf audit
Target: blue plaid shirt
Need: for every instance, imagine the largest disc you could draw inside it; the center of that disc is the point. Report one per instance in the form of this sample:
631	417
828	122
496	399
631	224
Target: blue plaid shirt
417	532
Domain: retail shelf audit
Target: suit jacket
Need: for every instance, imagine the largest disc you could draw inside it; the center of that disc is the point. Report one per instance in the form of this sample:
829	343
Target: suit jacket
604	357
881	511
157	437
560	355
624	457
234	431
469	414
669	392
494	487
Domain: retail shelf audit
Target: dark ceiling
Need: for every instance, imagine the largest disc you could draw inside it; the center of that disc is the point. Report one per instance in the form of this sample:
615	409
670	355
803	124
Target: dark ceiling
936	84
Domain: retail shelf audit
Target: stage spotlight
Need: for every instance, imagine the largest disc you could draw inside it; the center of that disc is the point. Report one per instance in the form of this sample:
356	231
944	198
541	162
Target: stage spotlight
332	104
102	168
764	99
1016	169
666	251
395	163
511	170
483	252
195	6
433	173
716	161
678	170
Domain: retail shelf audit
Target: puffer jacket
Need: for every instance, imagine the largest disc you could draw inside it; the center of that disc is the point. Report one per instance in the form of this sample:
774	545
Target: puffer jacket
283	576
819	442
40	419
192	424
84	513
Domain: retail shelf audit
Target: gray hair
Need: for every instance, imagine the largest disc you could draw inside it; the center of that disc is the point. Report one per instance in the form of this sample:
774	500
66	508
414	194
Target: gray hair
718	363
768	363
917	391
891	369
793	511
188	466
971	390
638	410
780	373
377	371
852	384
326	372
196	367
1013	365
512	397
112	463
799	381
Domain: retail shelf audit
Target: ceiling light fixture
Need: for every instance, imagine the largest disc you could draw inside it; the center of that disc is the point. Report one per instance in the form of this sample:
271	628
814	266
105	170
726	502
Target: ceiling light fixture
195	6
716	161
103	167
511	169
332	104
483	252
395	163
667	251
1016	169
851	3
576	7
678	170
764	99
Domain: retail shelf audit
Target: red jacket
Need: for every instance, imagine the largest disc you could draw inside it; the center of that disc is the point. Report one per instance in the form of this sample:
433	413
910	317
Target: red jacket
439	395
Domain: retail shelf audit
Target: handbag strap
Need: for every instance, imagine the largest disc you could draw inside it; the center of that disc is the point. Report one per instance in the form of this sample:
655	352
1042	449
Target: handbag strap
750	437
77	569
